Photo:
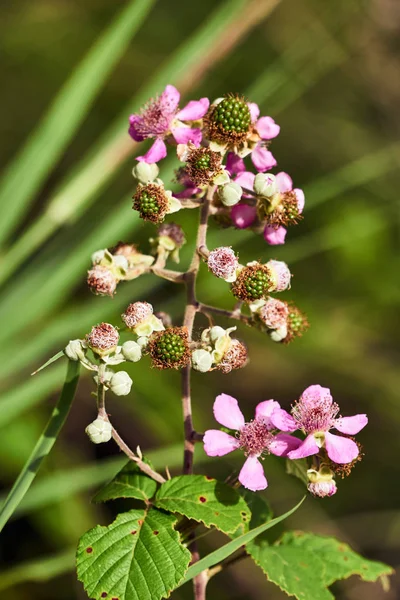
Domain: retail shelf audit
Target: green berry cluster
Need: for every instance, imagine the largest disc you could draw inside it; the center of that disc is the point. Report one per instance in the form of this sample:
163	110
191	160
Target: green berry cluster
203	162
296	322
170	347
232	115
148	204
257	284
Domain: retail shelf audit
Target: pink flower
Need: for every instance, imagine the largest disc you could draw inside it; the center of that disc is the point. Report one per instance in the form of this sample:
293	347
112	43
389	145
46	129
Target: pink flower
243	215
267	129
285	184
316	413
254	438
162	117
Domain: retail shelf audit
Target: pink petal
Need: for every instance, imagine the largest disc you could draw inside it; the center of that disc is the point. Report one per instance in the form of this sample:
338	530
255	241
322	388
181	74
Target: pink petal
315	395
254	111
273	236
227	412
252	475
157	152
133	119
351	425
194	110
246	180
283	443
219	443
243	215
307	448
340	449
283	421
284	182
300	199
262	158
267	128
172	96
264	411
183	135
234	164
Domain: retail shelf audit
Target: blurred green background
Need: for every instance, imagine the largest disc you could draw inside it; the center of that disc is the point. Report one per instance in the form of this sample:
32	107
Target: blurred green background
328	73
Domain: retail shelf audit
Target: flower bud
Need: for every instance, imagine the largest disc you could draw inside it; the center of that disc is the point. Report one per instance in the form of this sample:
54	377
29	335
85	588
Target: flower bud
75	350
121	261
280	275
102	281
145	172
230	194
99	431
265	185
201	360
131	351
120	383
222	262
98	256
103	339
169	349
321	483
279	334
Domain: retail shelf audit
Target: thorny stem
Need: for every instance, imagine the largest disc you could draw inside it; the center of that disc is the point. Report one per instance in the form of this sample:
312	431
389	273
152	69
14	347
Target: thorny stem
192	307
101	408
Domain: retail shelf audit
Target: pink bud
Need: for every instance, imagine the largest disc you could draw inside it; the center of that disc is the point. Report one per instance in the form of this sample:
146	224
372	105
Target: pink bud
243	215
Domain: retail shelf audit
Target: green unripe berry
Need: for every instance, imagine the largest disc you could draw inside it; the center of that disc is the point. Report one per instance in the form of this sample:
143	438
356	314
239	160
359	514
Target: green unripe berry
232	115
170	347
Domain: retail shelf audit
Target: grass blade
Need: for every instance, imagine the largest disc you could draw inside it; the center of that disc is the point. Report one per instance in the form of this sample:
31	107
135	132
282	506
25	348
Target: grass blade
222	553
42	569
49	362
43	445
66	113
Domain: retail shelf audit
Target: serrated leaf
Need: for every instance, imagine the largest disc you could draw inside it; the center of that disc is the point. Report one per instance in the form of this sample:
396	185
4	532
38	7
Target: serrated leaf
138	557
222	553
304	565
205	500
298	468
130	482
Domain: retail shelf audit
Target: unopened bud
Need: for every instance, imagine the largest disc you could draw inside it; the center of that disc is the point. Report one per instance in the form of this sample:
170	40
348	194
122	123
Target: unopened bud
201	360
230	194
99	431
223	263
75	350
131	351
145	172
265	185
120	383
103	339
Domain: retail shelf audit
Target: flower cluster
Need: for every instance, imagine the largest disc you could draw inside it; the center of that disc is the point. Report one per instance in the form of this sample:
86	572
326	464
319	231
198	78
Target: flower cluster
313	415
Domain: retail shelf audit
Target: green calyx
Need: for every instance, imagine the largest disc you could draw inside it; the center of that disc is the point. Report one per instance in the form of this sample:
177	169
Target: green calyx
170	347
257	284
149	204
232	115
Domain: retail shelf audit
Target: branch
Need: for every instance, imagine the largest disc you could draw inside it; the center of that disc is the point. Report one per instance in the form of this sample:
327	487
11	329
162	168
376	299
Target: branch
230	314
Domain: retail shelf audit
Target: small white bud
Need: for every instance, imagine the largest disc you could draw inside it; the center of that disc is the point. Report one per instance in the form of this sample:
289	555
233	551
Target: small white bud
216	332
75	350
132	351
277	335
265	185
120	383
201	360
121	261
145	172
99	431
98	256
230	194
142	341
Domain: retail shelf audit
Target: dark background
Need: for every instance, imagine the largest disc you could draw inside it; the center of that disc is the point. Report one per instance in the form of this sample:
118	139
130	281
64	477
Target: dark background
328	72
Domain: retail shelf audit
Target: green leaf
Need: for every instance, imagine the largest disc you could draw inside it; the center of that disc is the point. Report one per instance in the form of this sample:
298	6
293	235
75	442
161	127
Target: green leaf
130	482
138	557
49	362
298	468
43	445
304	565
205	500
222	553
47	143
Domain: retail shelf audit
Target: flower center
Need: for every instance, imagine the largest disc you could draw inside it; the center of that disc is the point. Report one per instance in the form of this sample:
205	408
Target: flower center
170	347
254	438
315	417
155	118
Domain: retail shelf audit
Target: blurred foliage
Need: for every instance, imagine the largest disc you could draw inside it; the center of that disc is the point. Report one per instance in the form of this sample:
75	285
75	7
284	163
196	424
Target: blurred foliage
328	73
